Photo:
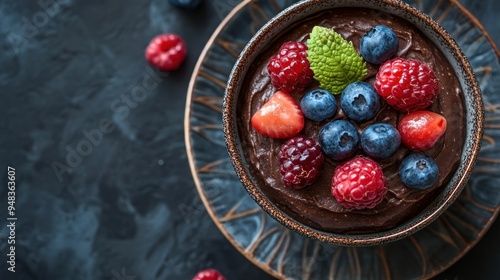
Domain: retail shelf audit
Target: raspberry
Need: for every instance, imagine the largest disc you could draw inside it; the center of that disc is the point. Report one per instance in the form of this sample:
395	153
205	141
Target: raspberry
407	85
166	51
289	69
209	274
300	161
359	183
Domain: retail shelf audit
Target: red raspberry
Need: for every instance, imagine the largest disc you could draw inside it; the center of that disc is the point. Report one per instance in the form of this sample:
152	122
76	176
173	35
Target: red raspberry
359	183
407	85
300	161
166	51
289	69
209	274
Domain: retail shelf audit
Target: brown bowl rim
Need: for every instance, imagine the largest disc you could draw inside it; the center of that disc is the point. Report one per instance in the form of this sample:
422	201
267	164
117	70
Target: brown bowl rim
399	232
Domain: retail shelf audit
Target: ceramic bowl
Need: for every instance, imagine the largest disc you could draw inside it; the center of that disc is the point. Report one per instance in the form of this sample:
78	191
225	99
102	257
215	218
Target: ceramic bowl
473	108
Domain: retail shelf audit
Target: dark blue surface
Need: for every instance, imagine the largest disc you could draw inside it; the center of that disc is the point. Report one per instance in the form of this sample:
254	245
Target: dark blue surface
96	137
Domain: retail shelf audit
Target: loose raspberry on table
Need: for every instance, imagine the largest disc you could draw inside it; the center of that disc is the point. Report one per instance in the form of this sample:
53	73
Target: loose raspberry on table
300	161
289	69
407	85
359	183
209	274
166	51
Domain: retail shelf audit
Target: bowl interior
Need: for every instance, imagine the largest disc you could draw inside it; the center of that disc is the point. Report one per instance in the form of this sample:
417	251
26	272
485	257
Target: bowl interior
472	102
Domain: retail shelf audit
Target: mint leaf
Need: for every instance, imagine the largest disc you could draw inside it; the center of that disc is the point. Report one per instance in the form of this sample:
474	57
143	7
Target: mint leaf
334	60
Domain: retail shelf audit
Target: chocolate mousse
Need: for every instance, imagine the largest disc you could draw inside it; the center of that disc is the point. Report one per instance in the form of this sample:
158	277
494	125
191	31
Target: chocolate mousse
314	205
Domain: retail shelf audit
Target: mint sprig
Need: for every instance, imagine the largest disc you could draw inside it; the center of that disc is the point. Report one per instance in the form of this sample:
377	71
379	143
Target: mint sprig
333	60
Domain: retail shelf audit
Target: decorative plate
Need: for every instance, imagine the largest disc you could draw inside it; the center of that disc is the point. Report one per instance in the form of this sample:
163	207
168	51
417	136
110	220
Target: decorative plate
287	255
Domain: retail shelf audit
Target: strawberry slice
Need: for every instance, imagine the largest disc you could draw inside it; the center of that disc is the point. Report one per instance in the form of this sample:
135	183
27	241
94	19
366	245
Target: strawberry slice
420	130
279	118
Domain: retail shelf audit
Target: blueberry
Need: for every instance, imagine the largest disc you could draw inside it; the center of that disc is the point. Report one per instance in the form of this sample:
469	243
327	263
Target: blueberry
379	44
187	4
318	105
359	101
338	139
380	140
418	171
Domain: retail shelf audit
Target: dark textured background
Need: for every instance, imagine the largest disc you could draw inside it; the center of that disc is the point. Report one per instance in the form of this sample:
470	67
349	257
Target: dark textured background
128	209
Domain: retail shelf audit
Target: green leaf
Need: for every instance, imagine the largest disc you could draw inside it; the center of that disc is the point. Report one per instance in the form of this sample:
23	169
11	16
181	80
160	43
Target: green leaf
334	60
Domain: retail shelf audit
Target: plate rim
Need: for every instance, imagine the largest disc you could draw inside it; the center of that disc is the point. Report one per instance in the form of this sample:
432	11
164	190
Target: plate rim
193	168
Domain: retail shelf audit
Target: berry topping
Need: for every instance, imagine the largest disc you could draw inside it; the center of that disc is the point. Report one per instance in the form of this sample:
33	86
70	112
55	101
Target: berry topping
279	118
407	85
289	69
334	61
339	139
318	105
359	101
418	171
359	183
380	140
166	51
379	44
186	4
209	274
300	161
420	130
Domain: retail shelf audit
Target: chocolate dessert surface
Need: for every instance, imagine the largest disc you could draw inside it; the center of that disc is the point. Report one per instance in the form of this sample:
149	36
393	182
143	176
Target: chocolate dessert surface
314	205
